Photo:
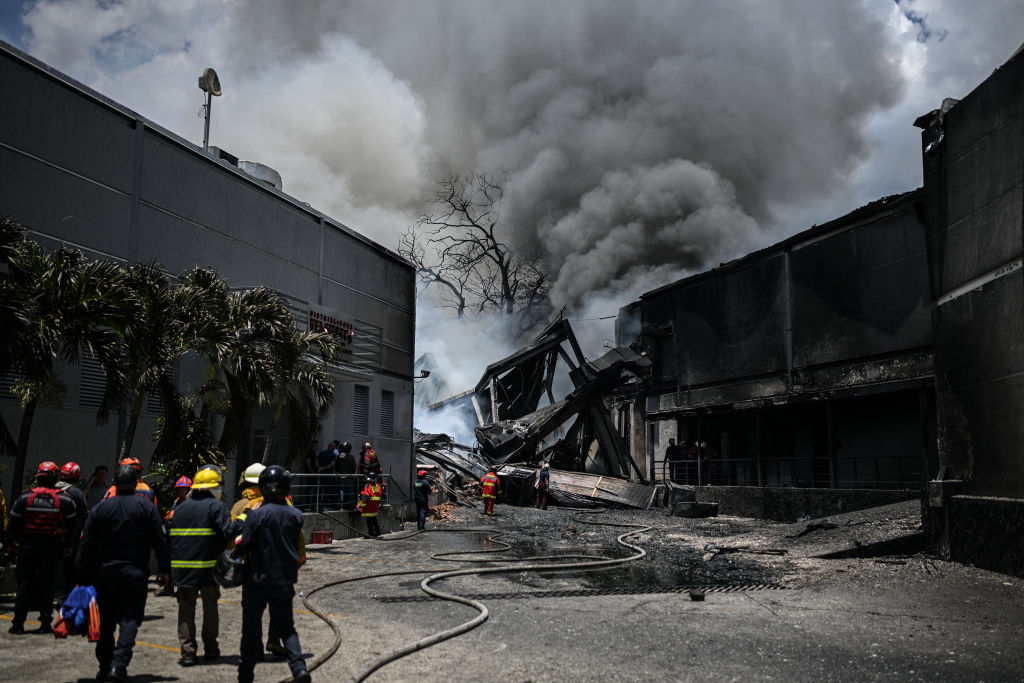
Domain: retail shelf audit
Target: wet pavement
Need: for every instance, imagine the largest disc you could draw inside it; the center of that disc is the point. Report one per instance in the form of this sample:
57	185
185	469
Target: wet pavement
774	607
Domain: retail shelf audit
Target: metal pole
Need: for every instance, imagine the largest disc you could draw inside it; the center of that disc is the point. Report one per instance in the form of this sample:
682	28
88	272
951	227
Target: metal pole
206	126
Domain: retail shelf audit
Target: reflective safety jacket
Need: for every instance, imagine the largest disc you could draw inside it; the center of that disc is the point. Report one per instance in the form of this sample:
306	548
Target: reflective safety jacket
42	514
422	492
369	500
200	530
142	490
490	485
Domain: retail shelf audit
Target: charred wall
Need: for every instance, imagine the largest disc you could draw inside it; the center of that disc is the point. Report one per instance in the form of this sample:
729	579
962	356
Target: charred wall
774	358
974	197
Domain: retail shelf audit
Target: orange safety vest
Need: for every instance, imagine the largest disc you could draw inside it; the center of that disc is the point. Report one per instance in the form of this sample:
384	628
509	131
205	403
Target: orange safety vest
490	483
369	501
142	490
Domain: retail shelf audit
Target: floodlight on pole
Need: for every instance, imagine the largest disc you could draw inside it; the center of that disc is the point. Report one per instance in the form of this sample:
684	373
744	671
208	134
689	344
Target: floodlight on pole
210	84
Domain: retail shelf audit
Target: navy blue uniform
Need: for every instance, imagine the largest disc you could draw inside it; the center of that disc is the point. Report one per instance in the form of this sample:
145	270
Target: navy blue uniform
119	535
270	539
421	490
81	512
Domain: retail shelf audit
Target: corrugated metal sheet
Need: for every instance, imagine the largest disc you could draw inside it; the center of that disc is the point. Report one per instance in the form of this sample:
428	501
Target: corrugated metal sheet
571	487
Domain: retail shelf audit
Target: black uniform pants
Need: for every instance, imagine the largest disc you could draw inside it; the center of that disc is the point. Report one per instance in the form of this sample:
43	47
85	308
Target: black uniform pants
37	564
255	598
421	516
121	597
372	528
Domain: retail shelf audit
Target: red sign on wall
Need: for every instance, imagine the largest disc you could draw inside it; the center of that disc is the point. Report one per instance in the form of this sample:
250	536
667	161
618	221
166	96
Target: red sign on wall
324	322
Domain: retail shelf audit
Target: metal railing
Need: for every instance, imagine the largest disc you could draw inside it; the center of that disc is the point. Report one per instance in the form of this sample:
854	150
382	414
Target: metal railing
320	492
848	472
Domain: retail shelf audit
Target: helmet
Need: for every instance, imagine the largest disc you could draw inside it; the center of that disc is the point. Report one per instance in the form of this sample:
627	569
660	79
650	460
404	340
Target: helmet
275	481
421	473
345	447
70	471
205	479
545	465
493	468
183	482
47	471
252	473
229	571
126	479
134	462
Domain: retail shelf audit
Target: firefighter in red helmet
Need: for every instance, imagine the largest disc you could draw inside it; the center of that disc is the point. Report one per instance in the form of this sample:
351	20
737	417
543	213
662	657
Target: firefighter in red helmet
70	475
491	486
42	522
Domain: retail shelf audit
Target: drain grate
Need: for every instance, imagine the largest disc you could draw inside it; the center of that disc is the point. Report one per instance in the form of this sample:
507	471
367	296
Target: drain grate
588	592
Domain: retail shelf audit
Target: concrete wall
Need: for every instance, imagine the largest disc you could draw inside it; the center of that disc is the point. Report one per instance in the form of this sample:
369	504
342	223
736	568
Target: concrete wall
78	168
974	185
792	504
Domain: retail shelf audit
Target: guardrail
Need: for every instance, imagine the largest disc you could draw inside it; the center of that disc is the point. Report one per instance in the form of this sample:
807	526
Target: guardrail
320	492
892	472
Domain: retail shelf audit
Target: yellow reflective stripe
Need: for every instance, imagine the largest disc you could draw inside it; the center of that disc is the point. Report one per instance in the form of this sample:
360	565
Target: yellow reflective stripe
193	564
369	514
192	532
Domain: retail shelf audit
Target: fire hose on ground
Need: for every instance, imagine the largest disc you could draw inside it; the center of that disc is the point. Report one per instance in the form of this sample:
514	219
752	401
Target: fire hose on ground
440	573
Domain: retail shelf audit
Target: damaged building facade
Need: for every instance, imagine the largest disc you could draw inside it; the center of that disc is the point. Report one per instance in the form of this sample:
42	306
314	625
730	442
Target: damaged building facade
79	169
807	364
883	350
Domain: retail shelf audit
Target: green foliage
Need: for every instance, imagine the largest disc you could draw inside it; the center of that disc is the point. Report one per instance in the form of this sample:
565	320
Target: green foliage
55	305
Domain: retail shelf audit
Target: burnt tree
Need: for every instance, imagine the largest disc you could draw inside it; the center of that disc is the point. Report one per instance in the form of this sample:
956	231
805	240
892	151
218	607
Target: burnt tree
463	250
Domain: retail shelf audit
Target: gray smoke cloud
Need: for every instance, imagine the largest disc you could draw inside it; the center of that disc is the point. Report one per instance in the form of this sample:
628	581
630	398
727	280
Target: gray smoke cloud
643	141
635	135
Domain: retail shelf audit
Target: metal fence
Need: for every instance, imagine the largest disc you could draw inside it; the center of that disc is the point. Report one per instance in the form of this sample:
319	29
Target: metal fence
320	492
884	472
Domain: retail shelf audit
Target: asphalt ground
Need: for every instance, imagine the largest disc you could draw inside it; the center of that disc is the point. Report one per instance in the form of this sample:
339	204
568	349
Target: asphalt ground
773	607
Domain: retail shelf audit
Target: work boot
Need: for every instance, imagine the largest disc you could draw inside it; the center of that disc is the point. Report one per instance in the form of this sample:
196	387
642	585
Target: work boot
302	677
44	628
17	628
117	674
187	660
277	650
211	653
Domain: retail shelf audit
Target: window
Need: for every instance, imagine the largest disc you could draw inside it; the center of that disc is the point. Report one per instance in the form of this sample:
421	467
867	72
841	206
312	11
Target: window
7	383
387	413
93	382
361	410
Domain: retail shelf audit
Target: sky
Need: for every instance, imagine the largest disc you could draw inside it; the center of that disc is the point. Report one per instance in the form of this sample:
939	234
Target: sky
642	141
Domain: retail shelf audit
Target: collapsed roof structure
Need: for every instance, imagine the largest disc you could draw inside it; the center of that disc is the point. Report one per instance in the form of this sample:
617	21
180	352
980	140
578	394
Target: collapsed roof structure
512	428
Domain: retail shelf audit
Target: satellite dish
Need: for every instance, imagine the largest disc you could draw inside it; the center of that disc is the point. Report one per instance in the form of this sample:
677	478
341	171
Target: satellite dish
209	82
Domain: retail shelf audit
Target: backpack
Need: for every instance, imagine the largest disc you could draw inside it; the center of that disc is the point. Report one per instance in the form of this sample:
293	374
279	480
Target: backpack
79	615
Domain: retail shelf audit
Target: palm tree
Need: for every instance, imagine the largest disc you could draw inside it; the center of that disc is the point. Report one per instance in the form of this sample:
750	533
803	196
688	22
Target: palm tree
154	338
301	381
64	304
237	331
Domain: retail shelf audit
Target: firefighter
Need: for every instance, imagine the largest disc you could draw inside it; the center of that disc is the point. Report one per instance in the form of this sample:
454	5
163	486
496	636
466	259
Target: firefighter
181	489
270	538
252	499
70	474
543	484
491	486
42	522
200	529
119	536
142	489
421	489
369	503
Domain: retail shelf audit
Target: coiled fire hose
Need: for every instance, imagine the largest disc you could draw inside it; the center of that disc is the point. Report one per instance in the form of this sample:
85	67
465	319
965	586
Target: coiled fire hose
441	574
